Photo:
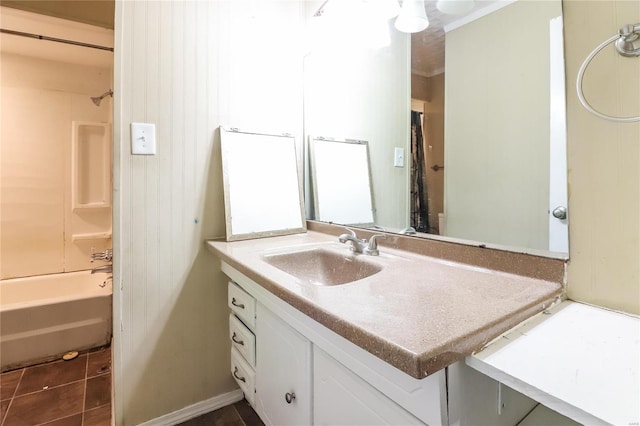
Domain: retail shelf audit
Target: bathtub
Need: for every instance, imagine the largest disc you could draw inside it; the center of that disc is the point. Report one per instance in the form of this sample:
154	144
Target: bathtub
43	317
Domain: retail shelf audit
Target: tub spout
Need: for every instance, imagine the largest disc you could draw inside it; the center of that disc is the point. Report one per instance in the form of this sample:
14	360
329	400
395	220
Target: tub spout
107	269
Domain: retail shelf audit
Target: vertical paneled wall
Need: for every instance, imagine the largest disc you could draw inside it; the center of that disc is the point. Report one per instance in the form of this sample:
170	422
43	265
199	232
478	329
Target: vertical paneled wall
188	67
604	159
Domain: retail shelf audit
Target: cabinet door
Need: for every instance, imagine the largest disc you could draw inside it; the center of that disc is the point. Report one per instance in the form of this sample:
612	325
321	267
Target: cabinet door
342	398
283	369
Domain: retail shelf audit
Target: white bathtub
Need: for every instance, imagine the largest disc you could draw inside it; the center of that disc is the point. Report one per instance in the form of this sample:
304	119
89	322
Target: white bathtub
43	317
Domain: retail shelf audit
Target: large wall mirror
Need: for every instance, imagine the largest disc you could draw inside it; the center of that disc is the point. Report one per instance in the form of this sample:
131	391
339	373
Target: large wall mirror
474	106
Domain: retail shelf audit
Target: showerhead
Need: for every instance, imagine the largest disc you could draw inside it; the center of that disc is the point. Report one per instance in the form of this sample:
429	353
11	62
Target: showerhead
96	100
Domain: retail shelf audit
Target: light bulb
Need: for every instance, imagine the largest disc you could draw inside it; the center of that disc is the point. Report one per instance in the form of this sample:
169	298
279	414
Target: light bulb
413	17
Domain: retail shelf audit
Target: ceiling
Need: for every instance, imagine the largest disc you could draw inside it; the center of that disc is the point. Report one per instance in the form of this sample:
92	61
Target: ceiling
93	12
427	47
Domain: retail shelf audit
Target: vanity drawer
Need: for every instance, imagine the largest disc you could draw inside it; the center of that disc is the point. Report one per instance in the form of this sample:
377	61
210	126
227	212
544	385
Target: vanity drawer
242	339
244	375
243	305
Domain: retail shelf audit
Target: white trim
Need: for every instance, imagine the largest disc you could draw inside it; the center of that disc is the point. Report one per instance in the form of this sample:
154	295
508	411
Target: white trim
477	14
197	409
558	192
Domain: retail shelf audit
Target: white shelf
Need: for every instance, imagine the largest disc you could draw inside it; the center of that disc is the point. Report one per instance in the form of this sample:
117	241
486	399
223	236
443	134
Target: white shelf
91	236
579	360
90	165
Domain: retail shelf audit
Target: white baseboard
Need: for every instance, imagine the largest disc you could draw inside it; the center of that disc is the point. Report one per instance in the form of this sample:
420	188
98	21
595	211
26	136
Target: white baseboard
196	409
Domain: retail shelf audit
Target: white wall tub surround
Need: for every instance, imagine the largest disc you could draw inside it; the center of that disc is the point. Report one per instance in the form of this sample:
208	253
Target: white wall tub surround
42	317
381	342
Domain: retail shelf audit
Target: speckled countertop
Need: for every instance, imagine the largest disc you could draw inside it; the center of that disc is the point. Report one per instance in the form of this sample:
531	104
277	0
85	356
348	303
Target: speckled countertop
419	314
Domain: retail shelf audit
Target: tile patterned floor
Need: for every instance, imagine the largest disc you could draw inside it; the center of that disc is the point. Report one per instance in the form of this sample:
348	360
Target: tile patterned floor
238	414
59	393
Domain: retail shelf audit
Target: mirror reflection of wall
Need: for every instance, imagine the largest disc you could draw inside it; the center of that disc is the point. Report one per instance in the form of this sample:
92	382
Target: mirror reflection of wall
484	99
362	94
497	115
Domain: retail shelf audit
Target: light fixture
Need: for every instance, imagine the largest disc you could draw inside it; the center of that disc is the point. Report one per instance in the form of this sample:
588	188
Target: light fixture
454	7
413	17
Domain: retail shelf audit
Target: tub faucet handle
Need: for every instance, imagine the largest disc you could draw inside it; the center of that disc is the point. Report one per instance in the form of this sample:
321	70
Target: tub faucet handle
106	255
108	269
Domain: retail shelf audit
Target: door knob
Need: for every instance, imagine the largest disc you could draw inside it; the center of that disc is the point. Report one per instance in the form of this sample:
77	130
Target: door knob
560	212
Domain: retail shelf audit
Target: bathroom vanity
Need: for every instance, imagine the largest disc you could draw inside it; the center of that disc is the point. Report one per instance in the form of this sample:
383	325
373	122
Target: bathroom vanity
373	348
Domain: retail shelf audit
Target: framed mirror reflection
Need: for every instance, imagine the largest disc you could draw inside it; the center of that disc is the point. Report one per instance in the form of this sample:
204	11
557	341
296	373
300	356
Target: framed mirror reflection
341	194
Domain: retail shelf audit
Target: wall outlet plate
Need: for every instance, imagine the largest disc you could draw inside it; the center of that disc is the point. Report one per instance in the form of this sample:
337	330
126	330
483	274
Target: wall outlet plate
143	139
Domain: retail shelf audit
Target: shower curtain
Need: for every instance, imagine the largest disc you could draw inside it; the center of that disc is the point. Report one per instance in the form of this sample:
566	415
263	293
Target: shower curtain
419	203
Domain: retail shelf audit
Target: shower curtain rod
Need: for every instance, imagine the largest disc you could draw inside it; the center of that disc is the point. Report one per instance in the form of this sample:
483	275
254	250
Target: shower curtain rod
57	40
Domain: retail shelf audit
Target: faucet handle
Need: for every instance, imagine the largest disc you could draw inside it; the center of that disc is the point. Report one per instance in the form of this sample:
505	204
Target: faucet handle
372	247
410	230
351	231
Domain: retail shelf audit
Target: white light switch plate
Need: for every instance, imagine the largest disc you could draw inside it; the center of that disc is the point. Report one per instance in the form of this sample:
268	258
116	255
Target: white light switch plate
143	138
398	157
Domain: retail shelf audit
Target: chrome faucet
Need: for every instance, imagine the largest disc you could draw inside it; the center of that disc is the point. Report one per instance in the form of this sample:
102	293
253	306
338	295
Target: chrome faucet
361	245
107	269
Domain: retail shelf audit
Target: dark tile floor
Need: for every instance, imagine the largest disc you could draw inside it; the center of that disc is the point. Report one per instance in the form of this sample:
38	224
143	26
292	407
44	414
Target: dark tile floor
238	414
59	393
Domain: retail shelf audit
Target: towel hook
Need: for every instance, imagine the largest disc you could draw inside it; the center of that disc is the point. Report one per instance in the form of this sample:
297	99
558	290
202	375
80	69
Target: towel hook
627	43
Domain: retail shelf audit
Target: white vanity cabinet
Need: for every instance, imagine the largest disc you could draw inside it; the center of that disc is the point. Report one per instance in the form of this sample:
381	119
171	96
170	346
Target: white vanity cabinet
306	374
342	398
283	372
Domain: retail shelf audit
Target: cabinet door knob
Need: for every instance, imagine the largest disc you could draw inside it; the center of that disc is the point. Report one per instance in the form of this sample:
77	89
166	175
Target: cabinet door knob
289	397
240	342
235	374
234	302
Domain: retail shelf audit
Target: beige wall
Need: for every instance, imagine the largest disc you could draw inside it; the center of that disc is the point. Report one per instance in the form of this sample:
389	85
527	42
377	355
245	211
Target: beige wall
40	100
420	87
497	126
187	67
604	160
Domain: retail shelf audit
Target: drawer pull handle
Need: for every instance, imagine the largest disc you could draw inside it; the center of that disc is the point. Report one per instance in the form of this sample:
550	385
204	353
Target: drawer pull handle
235	303
235	374
240	342
289	397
